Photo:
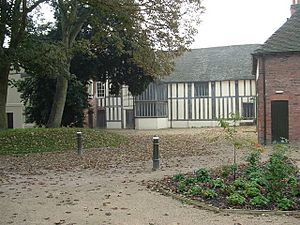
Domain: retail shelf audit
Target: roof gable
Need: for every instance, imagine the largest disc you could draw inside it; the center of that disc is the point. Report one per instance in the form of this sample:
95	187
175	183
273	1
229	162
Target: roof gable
214	64
286	38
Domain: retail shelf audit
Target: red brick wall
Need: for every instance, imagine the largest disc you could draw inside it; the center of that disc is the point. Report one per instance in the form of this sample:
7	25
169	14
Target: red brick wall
282	73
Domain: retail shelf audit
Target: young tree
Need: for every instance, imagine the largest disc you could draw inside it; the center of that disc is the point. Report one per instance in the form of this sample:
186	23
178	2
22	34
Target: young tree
13	22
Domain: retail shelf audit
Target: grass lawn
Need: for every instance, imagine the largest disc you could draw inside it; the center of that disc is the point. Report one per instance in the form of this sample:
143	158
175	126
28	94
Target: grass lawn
33	140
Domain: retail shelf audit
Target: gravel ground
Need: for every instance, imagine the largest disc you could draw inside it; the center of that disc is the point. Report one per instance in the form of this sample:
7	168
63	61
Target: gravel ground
105	185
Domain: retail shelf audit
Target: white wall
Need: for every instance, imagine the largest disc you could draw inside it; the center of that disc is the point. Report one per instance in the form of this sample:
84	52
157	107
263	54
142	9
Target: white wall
14	104
151	123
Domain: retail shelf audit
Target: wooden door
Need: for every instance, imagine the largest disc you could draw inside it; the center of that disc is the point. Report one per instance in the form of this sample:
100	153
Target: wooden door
129	119
101	119
280	121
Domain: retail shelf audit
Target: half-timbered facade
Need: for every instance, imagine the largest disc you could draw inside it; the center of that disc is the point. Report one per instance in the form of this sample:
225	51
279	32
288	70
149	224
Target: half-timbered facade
207	84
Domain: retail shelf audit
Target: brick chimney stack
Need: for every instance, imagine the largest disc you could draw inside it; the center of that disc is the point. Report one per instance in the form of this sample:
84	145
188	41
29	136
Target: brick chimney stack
295	6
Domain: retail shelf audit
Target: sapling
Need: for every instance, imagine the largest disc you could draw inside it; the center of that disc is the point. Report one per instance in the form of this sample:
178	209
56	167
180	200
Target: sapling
231	135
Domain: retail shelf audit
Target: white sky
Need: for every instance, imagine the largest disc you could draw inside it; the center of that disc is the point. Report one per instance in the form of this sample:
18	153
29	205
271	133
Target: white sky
233	22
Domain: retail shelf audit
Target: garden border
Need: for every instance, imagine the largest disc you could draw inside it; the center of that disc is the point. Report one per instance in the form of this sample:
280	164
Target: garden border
215	209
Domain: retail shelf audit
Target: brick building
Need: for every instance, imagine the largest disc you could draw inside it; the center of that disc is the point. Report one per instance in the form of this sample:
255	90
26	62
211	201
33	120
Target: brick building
277	67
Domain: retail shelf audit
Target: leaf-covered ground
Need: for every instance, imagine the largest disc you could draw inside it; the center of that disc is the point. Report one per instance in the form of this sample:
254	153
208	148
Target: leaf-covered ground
55	187
37	140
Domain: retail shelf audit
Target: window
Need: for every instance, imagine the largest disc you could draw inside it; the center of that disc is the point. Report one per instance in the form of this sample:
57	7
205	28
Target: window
153	102
248	110
201	89
100	89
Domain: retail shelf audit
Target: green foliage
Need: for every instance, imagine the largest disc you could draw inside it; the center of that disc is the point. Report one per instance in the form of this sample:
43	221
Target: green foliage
182	187
278	172
260	185
235	199
38	92
196	190
239	184
285	204
190	180
179	177
259	201
209	193
253	160
227	170
202	175
252	189
218	183
36	140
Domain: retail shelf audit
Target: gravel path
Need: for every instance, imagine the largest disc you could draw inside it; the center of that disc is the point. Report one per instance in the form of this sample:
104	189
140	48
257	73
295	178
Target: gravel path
94	190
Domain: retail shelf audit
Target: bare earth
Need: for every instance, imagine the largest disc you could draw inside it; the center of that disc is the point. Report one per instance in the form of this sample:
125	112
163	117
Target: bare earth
105	185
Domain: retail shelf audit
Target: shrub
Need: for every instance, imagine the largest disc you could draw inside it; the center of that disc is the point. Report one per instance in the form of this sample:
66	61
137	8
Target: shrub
259	201
239	184
285	204
182	187
236	199
278	172
253	160
252	190
209	193
202	175
218	183
178	177
190	181
227	170
195	190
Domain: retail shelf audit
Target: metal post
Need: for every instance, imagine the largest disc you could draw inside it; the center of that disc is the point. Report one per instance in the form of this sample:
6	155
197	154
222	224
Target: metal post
79	143
155	156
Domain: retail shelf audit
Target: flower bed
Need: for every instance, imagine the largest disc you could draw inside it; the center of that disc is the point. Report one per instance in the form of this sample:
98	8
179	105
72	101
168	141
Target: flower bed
273	185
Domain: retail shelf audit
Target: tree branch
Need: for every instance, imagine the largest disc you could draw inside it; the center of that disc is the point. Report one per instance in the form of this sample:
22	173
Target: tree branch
36	4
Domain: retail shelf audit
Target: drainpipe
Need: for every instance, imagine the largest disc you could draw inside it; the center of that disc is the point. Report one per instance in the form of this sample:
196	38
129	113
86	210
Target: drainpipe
264	94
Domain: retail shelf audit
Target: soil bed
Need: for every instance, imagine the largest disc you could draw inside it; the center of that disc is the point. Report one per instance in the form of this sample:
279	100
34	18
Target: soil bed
210	193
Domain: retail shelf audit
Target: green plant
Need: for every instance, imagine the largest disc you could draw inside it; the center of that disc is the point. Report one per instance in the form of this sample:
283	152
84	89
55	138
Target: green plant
231	135
218	183
253	160
285	204
202	175
178	177
259	201
278	172
239	184
181	187
190	181
195	190
227	170
209	193
252	190
236	199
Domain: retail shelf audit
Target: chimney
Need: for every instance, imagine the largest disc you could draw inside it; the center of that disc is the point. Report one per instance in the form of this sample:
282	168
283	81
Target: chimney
295	6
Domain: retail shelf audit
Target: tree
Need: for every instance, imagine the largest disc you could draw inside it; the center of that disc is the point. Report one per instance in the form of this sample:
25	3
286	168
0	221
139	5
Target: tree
163	30
13	22
159	31
37	95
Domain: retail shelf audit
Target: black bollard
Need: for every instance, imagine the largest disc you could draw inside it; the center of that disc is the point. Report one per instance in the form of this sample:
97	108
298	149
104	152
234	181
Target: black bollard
155	156
79	143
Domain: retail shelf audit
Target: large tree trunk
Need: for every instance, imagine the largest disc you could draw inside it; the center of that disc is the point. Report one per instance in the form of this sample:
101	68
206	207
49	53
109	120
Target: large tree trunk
4	73
58	104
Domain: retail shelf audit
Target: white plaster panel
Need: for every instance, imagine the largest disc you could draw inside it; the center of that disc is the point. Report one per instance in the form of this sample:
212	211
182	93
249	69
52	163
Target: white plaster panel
114	125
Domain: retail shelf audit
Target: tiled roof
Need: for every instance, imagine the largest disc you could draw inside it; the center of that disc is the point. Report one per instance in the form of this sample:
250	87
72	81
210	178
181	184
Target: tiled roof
286	38
214	64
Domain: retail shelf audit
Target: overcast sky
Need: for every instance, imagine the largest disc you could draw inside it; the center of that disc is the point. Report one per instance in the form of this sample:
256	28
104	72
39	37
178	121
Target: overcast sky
232	22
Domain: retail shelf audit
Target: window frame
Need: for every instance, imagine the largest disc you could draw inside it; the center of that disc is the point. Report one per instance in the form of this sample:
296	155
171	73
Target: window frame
100	89
201	89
